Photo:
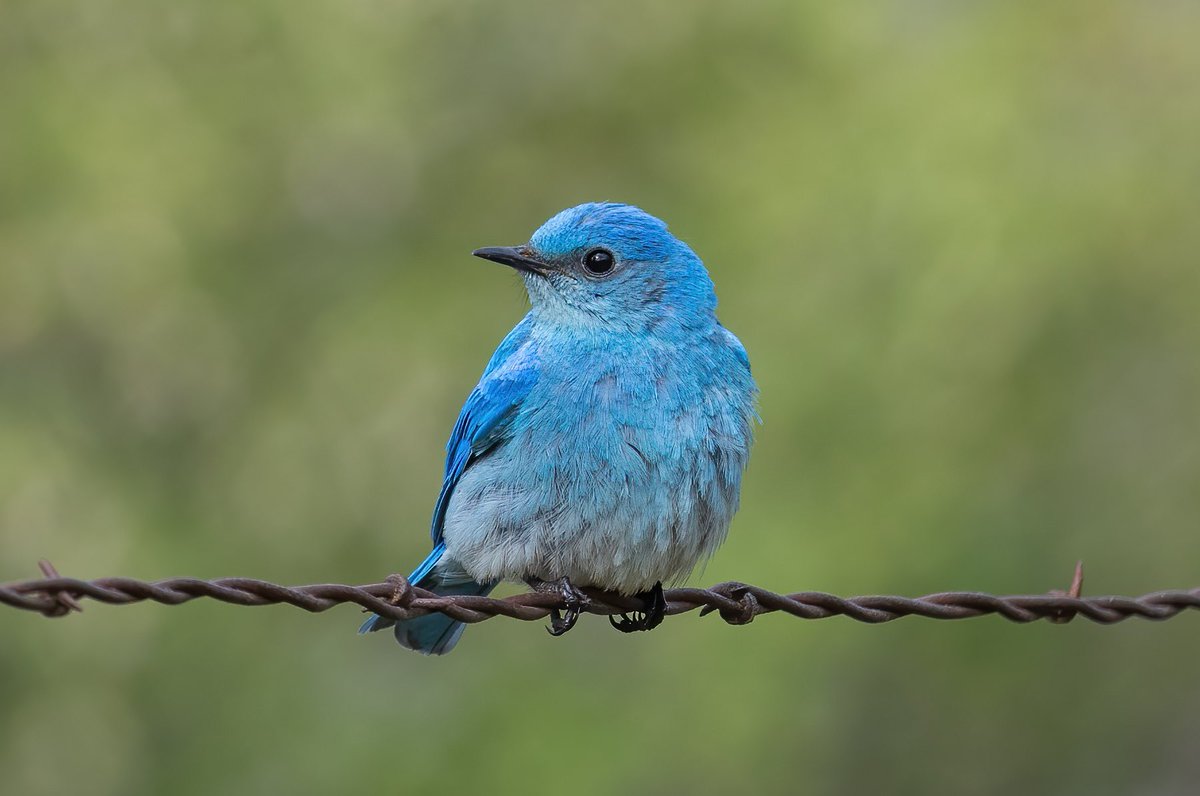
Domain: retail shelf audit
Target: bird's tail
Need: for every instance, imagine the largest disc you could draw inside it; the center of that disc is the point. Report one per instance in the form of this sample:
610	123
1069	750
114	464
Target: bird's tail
432	634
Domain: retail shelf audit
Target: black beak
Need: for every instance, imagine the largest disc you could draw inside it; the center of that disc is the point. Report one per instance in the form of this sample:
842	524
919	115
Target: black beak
514	256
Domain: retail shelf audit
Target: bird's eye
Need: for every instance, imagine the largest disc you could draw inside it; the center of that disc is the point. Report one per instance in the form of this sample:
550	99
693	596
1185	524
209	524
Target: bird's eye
598	262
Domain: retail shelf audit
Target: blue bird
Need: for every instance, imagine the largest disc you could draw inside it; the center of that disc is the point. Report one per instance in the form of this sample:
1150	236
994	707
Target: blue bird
605	442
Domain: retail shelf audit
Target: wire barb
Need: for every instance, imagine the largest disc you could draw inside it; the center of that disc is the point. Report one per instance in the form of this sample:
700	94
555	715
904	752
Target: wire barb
736	603
64	602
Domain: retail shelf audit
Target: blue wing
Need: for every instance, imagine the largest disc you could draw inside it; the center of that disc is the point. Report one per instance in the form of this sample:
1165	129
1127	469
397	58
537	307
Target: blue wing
482	424
485	417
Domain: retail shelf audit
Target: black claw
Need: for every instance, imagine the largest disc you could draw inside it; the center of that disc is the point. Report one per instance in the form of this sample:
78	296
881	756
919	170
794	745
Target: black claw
560	624
627	623
576	603
652	617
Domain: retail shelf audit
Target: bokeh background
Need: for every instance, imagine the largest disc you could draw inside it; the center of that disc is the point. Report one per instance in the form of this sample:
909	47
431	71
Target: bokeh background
238	316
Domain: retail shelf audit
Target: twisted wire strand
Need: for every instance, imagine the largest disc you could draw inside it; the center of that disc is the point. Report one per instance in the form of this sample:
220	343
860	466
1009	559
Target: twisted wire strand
736	603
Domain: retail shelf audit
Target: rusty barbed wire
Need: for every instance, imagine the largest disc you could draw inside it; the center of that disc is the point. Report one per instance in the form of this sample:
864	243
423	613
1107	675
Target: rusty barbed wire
736	603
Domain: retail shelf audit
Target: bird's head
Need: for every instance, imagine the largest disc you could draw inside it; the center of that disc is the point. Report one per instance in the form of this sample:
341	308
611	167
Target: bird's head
610	265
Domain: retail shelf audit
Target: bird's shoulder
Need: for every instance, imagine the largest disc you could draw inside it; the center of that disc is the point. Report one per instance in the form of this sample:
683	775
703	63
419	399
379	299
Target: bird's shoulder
514	346
508	377
727	340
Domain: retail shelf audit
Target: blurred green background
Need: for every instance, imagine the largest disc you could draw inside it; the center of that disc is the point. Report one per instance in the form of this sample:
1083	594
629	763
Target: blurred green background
238	316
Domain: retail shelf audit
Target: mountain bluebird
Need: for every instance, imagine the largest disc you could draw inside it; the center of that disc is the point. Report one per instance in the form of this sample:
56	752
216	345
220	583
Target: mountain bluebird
605	442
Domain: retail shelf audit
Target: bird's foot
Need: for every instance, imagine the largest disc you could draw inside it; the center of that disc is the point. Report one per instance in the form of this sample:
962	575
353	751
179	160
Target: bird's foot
656	609
575	600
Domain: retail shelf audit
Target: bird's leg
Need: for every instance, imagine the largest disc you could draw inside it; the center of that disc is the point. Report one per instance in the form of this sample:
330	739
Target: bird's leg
576	601
656	609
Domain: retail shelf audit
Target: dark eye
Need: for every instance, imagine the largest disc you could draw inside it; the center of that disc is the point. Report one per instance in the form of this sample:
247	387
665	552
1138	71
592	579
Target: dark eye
598	262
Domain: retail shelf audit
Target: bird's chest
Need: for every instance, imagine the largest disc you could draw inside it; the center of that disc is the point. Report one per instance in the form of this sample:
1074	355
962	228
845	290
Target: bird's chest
626	418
